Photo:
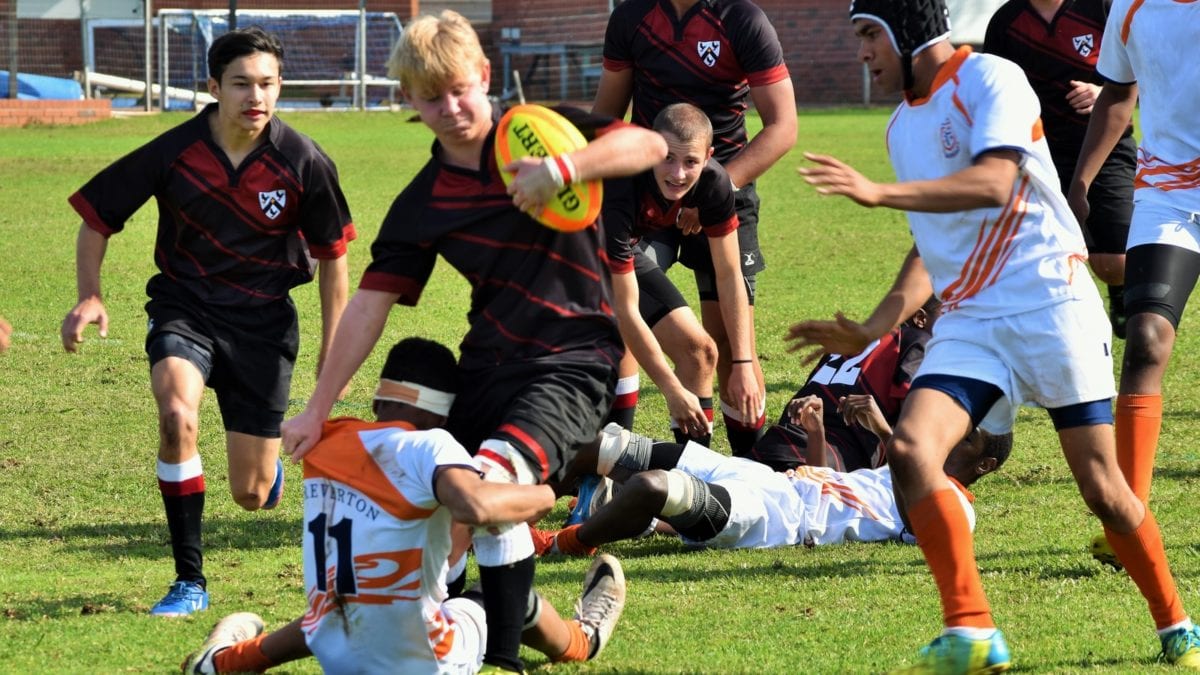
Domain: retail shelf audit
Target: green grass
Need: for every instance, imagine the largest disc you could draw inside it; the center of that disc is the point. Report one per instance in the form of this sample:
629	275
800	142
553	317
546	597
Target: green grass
84	552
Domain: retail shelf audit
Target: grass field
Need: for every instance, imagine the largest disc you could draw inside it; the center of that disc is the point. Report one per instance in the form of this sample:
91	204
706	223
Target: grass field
83	546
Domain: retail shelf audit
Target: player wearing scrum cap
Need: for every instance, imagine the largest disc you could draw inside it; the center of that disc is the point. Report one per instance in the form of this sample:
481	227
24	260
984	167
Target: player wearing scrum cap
383	504
1022	320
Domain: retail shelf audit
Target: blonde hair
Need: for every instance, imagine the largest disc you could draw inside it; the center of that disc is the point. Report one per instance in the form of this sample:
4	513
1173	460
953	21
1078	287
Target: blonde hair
685	122
433	51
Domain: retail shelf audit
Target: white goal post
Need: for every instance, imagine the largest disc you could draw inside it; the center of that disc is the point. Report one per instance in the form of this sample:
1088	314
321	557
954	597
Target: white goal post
332	58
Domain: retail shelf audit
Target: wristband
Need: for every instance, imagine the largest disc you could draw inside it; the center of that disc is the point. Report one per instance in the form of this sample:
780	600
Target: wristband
556	175
736	361
734	185
567	168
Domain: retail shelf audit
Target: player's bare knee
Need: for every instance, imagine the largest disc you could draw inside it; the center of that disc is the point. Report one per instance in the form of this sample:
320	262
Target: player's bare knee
901	453
1149	341
249	500
176	425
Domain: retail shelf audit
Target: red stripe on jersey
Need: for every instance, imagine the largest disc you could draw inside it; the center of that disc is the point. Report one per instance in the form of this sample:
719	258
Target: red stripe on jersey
727	226
84	208
200	167
497	459
338	248
408	289
553	255
530	444
616	266
615	65
769	76
181	488
513	337
282	173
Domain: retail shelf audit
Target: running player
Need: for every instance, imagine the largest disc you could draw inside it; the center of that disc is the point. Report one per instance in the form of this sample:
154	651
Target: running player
719	55
245	204
1149	51
730	502
542	347
1021	322
650	310
1056	43
382	502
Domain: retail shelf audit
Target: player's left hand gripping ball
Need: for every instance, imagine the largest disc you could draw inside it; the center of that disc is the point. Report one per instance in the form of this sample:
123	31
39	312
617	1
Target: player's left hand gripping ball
537	131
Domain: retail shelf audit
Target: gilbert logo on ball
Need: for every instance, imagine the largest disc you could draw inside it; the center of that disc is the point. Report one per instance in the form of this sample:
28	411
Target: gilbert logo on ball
537	131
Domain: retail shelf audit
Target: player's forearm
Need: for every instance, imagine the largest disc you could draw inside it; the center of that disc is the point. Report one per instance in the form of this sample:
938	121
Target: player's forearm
909	291
1110	117
333	282
640	341
766	148
985	184
494	503
613	93
816	452
622	152
359	329
90	247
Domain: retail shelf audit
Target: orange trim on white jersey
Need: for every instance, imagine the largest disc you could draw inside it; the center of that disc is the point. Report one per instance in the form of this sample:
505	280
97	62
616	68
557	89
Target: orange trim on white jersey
1128	22
992	249
348	463
1177	176
947	73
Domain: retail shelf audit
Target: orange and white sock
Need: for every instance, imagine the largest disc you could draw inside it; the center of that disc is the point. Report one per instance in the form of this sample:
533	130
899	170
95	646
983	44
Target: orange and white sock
1138	422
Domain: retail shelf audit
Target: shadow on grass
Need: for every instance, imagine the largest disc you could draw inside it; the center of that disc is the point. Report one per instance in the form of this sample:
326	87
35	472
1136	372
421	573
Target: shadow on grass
70	606
150	540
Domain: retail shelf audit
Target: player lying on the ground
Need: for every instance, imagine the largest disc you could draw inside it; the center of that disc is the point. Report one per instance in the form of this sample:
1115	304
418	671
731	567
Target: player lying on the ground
731	502
383	504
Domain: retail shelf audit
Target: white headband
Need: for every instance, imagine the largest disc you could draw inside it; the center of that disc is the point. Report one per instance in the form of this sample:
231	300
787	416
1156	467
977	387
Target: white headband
416	395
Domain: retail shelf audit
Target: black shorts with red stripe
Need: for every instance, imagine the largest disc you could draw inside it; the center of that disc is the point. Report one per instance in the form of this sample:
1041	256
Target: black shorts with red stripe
545	408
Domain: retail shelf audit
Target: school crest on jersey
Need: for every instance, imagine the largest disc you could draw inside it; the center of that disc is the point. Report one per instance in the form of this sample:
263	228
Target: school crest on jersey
950	144
272	202
709	51
1084	44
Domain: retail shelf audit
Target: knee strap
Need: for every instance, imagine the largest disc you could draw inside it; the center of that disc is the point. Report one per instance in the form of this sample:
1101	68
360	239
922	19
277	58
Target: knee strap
635	458
707	512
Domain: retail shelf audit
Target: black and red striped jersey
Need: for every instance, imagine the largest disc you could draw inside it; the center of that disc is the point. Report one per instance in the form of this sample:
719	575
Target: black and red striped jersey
1052	54
884	370
229	237
535	292
710	58
634	206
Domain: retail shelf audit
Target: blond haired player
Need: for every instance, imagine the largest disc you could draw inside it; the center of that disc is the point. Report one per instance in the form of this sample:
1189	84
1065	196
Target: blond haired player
542	346
381	503
1150	51
1022	321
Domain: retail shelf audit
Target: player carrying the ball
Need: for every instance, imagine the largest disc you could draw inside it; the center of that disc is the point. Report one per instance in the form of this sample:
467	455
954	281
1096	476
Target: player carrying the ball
541	352
1022	320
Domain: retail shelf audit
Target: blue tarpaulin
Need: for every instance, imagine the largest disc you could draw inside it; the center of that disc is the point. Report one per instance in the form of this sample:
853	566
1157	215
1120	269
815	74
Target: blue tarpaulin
39	87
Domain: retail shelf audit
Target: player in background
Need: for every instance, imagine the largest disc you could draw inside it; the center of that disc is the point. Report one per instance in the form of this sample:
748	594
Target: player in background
1021	320
5	335
542	347
245	205
384	508
730	502
651	313
1149	51
882	371
719	55
1056	43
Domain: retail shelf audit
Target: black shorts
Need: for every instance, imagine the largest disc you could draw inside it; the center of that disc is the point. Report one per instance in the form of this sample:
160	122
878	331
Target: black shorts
657	296
545	408
245	355
1110	198
693	250
1159	279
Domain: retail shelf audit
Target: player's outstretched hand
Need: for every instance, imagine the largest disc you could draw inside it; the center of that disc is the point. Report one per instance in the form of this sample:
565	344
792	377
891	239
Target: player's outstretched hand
689	221
863	410
5	334
832	176
684	408
840	336
533	184
88	311
744	392
300	434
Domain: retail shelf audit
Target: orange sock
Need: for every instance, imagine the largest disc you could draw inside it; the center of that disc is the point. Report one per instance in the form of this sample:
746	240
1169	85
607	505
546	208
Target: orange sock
1139	419
567	541
941	528
244	657
579	647
1141	552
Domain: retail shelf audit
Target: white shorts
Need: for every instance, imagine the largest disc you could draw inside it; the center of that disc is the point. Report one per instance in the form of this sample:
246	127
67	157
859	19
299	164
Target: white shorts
470	636
1051	357
1154	222
764	509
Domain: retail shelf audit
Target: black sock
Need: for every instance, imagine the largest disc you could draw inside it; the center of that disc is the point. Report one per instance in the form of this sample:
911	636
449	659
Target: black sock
742	438
665	456
505	596
185	517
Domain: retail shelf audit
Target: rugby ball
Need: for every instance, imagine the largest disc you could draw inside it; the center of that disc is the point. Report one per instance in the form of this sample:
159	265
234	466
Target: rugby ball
536	131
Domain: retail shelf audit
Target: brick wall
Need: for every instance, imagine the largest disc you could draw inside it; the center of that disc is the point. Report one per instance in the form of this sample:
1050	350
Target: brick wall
22	113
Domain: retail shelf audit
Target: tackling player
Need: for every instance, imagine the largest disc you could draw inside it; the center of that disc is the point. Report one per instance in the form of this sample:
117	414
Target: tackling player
542	347
719	55
245	205
1022	320
382	502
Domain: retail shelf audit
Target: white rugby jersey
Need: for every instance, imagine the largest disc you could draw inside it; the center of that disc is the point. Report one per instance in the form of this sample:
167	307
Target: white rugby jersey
855	506
376	542
998	261
1156	43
